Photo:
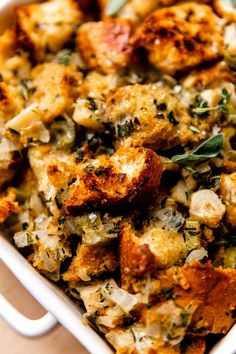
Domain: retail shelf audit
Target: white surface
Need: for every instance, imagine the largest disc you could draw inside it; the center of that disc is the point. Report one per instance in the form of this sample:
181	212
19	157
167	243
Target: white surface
23	325
51	298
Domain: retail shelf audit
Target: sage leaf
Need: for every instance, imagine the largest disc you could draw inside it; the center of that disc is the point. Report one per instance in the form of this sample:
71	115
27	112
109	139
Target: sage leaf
114	6
209	148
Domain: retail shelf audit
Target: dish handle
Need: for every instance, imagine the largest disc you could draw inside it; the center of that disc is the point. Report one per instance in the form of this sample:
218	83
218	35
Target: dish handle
23	325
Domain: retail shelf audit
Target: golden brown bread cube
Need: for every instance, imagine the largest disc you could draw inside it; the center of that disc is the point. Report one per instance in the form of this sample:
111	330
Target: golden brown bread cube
129	175
180	37
11	101
52	170
148	115
136	10
8	205
211	77
105	44
55	87
46	27
91	261
211	290
153	248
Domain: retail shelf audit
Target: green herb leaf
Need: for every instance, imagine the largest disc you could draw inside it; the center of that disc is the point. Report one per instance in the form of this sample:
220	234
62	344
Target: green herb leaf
114	6
233	2
125	128
65	59
210	148
24	89
225	97
202	108
168	294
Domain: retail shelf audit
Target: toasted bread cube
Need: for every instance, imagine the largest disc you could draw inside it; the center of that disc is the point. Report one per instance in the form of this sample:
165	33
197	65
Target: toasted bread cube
105	45
55	87
206	207
46	27
91	261
225	9
136	10
8	205
52	170
228	195
148	115
98	85
212	77
154	248
129	175
211	291
180	37
11	101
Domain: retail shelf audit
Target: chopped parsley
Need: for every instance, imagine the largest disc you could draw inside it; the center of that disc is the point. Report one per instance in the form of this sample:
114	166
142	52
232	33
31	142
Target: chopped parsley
125	129
65	59
168	294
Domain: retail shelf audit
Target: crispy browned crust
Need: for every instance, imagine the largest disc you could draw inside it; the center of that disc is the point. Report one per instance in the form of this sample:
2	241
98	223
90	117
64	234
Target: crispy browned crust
154	128
10	101
178	43
212	290
105	186
23	38
5	175
4	97
135	260
92	260
26	26
194	345
8	206
56	86
210	77
105	44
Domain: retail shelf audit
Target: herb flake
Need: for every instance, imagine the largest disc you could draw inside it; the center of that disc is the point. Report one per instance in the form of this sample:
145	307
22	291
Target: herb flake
202	108
65	59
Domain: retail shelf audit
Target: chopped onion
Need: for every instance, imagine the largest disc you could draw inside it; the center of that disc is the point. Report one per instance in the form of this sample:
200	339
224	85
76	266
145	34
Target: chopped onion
24	239
196	255
82	273
120	339
106	321
119	296
171	218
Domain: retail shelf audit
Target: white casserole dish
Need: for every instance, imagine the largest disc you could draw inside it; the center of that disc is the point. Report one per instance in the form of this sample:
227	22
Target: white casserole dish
60	308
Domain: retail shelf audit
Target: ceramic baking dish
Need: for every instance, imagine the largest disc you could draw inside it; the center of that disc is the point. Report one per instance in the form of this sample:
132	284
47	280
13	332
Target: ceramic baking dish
60	308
